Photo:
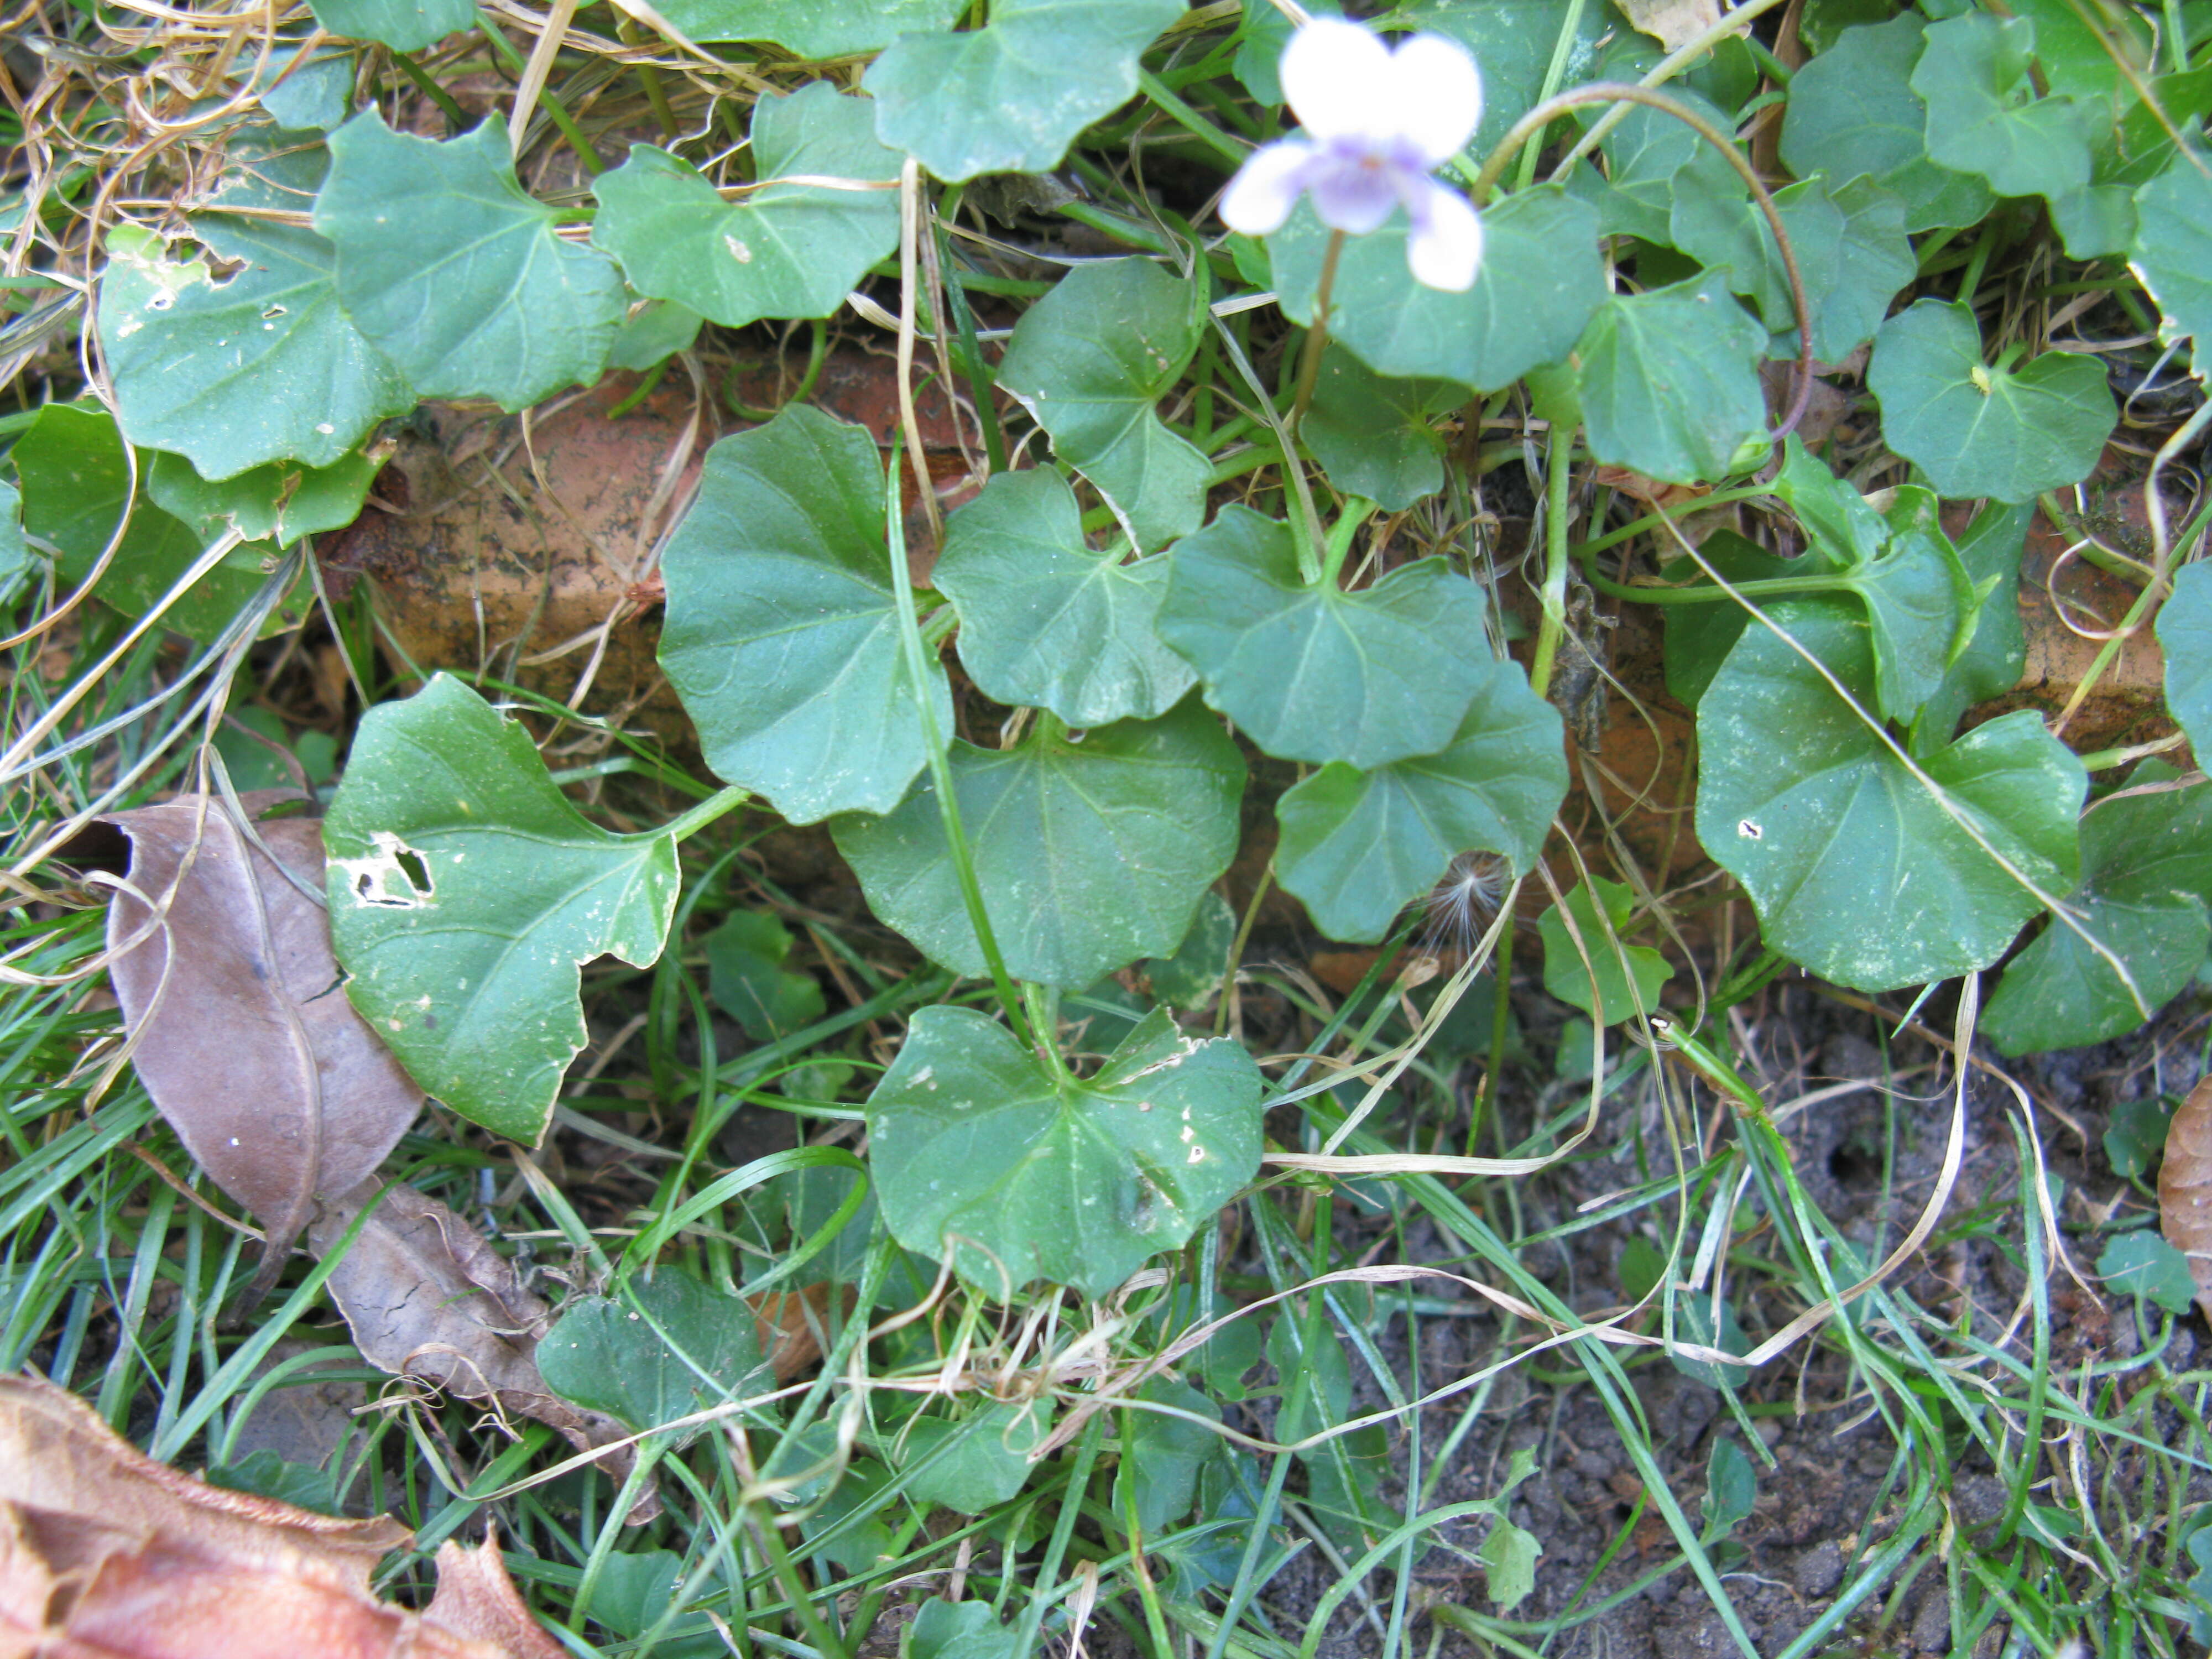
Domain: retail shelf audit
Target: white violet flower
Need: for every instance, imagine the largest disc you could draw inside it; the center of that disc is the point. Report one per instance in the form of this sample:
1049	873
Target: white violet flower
1376	121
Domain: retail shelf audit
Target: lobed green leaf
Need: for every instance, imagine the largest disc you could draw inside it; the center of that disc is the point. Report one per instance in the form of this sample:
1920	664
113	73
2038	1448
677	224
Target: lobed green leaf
465	893
456	273
782	629
1021	1173
787	248
1091	849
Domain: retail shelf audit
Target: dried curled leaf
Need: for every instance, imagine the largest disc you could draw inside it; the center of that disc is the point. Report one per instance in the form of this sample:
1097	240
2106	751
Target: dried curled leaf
107	1554
243	1037
426	1296
2184	1188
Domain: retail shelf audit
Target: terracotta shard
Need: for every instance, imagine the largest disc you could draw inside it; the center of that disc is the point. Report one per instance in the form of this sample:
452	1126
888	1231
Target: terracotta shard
244	1035
2184	1187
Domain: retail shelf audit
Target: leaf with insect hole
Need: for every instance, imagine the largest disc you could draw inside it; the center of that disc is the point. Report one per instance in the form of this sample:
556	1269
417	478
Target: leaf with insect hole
465	892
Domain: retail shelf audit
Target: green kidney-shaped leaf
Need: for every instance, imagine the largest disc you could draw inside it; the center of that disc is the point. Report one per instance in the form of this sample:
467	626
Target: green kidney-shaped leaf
1726	231
404	24
1541	277
1849	288
1021	1173
787	249
75	471
465	894
1091	850
746	977
1163	1455
2172	254
2143	1264
279	501
1011	96
1853	113
1372	433
14	551
262	366
667	1346
1090	360
1669	381
961	1630
2146	879
1357	846
816	29
1975	430
1983	115
1314	673
1048	621
455	273
978	1463
1856	871
782	629
1602	988
2185	634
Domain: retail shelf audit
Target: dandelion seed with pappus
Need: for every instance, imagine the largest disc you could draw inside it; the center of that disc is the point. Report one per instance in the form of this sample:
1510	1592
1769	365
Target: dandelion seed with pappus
1460	907
1378	122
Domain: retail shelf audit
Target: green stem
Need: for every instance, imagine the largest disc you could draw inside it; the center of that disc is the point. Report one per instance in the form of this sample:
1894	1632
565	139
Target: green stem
1554	73
1316	334
656	94
1190	120
1236	949
940	766
1557	471
1501	1015
1042	1004
640	392
1978	262
722	801
769	1536
980	381
1356	511
818	351
1653	521
555	110
1078	1477
1706	593
457	119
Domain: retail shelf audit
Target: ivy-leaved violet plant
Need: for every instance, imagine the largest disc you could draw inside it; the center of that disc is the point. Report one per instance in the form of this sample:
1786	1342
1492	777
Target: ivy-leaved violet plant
1174	476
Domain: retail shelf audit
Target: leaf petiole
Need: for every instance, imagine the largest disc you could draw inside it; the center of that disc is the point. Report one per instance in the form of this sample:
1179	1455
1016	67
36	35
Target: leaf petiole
718	805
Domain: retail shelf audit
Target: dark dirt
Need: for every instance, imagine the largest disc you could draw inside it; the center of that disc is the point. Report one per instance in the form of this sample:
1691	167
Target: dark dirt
1827	1497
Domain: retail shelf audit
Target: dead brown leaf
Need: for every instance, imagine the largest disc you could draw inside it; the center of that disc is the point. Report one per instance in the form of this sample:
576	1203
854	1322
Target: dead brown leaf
244	1038
107	1554
1673	23
427	1296
2184	1187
